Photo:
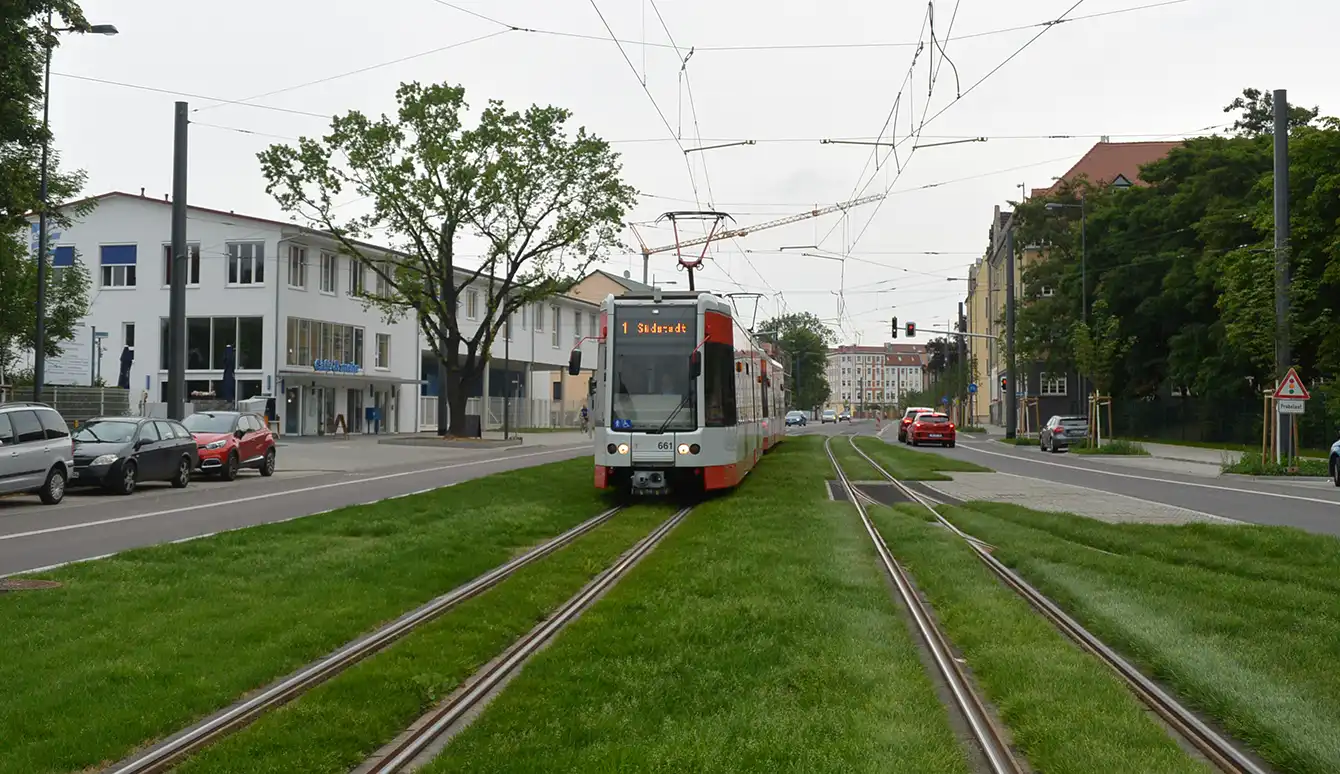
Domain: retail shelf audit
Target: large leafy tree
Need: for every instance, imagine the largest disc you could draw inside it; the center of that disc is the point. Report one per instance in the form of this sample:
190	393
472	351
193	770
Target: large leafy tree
24	36
545	203
804	341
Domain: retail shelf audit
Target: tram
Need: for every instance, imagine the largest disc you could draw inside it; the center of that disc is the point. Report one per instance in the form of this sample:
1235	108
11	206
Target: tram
684	399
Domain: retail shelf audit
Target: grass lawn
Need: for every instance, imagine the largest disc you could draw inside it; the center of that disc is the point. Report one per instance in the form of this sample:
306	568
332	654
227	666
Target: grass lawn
1116	447
1243	622
340	723
761	636
853	463
1251	465
136	646
907	463
1249	448
1067	711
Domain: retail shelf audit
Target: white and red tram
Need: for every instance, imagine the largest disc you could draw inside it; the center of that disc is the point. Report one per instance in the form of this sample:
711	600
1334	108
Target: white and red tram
684	398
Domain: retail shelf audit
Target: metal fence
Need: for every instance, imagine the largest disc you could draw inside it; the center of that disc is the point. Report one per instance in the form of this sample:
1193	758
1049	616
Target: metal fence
77	404
1205	421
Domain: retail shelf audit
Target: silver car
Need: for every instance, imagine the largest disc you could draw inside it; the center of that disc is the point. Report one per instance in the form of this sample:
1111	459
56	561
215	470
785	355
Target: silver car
1061	431
36	452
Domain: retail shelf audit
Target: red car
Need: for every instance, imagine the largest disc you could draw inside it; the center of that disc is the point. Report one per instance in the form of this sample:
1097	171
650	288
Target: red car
931	428
909	415
228	441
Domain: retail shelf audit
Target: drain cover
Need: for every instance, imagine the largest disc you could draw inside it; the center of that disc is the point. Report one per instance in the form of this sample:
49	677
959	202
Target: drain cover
15	584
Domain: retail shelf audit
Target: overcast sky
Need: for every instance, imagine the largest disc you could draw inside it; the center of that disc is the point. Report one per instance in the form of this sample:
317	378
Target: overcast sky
785	74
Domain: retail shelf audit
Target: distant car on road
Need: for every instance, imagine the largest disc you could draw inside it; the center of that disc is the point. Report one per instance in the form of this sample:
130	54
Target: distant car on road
36	454
117	453
231	440
1335	462
909	415
931	428
844	416
829	415
795	418
1061	431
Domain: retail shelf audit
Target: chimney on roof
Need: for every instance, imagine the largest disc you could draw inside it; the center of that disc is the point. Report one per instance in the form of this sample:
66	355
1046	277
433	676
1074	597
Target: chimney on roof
1105	138
141	192
165	197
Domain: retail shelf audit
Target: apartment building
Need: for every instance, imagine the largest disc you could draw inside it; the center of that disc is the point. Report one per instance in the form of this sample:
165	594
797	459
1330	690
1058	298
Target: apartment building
872	376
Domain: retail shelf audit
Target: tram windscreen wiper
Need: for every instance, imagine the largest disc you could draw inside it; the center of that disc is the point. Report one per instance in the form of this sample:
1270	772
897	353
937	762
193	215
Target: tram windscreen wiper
686	400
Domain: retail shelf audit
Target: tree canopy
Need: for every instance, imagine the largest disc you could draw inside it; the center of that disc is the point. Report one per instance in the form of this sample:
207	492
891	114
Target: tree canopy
23	40
544	204
1181	278
804	341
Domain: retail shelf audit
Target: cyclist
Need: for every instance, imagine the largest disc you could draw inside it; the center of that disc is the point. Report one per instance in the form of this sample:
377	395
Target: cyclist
586	420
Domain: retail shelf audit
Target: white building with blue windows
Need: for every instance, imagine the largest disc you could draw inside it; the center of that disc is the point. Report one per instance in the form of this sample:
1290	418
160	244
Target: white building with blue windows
284	299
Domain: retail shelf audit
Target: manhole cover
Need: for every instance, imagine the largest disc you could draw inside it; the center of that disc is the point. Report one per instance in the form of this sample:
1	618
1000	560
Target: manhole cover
26	585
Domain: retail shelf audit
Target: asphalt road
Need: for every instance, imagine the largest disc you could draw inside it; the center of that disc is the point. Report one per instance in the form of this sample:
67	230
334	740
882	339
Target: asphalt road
89	524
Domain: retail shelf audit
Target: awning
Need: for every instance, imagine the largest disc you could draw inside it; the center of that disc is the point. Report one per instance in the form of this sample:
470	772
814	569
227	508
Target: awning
295	377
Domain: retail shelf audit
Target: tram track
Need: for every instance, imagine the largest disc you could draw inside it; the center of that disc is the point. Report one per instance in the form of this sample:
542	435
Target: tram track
1217	749
435	729
988	736
163	756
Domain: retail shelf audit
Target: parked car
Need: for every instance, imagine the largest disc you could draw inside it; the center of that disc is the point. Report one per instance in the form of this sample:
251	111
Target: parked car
36	453
228	441
117	453
909	415
1335	462
829	415
795	418
930	427
844	416
1061	431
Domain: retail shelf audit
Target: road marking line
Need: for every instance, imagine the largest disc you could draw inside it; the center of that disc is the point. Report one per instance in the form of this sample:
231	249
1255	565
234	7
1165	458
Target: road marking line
1158	480
272	495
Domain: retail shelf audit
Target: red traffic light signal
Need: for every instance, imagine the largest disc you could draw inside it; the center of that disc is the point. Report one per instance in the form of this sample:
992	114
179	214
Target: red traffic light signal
911	330
1004	385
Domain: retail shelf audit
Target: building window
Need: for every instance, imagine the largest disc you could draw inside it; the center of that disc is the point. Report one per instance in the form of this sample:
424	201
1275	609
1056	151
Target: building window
383	287
128	334
1047	292
246	263
356	277
595	330
576	326
118	266
539	318
556	313
297	267
1053	385
313	340
192	265
383	355
472	305
330	272
208	339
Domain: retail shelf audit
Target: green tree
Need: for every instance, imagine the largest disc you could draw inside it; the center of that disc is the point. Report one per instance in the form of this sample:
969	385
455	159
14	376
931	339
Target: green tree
545	205
804	341
1256	113
23	40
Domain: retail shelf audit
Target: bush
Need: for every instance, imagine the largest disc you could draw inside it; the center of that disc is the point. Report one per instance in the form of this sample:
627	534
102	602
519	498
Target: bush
1251	465
1115	447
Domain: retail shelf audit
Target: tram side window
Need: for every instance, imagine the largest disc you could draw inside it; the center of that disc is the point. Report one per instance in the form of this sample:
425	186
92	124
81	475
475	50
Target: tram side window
719	384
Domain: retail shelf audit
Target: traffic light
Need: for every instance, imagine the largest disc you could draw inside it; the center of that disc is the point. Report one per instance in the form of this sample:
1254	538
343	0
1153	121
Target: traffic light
911	330
895	327
1004	385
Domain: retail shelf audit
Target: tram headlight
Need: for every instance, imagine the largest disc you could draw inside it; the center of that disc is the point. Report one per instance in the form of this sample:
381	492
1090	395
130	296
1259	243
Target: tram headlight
611	448
623	448
683	448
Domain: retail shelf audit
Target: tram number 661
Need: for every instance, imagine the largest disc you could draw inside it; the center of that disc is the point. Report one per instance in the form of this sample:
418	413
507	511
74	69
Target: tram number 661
663	445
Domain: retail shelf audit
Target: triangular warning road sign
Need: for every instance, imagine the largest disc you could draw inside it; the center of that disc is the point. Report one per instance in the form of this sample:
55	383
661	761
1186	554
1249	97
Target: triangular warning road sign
1291	388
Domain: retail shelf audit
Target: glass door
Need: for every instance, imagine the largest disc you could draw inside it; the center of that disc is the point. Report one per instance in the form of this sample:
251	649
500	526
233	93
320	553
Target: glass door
292	410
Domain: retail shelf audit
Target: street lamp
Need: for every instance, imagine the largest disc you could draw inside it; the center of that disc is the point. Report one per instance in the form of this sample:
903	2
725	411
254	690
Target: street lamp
39	348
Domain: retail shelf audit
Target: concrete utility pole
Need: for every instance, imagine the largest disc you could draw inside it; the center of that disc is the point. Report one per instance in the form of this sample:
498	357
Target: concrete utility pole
180	267
962	328
1011	403
1284	445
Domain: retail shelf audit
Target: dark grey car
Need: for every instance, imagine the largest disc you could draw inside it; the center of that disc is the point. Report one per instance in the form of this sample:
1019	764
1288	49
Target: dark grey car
117	453
1061	431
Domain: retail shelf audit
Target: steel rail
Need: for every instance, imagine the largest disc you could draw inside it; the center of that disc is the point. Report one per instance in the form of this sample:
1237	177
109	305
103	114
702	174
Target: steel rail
1220	751
431	727
989	737
162	757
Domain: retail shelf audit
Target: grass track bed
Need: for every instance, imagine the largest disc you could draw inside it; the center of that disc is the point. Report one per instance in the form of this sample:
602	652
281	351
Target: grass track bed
340	723
136	646
904	463
1213	611
760	636
1067	712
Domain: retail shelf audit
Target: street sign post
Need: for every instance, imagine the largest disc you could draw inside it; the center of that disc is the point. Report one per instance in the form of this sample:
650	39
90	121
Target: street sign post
1290	398
1291	388
972	388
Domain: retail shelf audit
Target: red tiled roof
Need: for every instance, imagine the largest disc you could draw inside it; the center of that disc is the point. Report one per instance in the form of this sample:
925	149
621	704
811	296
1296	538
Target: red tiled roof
1106	161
